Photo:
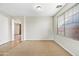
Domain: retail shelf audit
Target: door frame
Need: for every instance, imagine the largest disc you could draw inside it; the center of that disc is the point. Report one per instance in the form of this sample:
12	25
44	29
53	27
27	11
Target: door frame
12	30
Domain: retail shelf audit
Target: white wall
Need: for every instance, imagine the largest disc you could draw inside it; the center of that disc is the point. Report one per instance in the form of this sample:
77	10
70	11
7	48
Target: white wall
69	44
37	28
4	29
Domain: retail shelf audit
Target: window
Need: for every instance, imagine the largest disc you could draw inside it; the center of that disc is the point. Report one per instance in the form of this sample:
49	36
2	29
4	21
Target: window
68	23
61	25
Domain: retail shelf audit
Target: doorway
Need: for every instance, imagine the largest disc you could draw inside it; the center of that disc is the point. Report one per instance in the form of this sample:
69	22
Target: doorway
17	32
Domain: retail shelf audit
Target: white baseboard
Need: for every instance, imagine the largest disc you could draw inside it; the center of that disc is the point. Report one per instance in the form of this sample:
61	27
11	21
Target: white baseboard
65	48
5	43
38	39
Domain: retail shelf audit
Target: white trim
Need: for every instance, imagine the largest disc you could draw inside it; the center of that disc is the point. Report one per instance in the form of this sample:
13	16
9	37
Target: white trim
38	39
65	48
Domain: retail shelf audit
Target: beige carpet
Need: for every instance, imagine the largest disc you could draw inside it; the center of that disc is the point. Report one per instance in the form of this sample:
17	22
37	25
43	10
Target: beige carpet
37	48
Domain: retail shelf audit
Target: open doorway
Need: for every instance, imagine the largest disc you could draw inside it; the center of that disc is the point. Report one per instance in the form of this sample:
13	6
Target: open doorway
17	32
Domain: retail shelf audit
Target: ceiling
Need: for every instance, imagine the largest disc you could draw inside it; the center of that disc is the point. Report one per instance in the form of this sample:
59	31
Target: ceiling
29	9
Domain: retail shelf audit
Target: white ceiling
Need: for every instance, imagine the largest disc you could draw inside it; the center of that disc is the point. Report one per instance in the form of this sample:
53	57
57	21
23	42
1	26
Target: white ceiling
28	9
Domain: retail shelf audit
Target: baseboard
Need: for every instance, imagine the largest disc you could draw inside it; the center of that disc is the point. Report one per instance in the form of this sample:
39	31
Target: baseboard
38	39
4	43
65	48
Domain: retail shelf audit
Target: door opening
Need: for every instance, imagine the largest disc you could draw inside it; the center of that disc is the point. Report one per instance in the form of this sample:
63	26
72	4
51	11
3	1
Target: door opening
17	32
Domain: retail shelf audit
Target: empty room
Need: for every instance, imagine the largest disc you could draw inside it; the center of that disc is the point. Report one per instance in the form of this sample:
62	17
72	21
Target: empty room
39	29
